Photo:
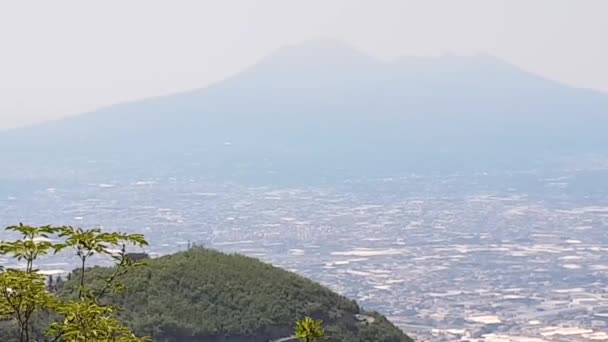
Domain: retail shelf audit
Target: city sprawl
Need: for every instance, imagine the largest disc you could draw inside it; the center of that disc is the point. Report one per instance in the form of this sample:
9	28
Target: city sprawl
483	257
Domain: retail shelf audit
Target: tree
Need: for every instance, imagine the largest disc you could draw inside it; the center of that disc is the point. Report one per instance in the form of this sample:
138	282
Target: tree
309	329
24	292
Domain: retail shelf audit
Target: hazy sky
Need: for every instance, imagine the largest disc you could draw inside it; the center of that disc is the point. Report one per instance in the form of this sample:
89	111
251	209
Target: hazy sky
64	57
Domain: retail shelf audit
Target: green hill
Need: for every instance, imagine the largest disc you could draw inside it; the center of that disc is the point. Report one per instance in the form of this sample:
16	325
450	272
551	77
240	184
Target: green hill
203	295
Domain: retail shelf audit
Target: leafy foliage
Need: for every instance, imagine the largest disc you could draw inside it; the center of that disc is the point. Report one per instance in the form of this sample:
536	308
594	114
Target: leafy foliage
196	296
308	329
85	320
25	296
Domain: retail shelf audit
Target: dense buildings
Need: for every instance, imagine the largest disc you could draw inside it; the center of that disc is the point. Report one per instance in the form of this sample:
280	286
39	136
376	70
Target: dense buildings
484	257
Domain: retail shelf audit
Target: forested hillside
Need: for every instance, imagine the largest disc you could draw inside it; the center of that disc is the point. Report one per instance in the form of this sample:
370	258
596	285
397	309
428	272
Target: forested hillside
204	295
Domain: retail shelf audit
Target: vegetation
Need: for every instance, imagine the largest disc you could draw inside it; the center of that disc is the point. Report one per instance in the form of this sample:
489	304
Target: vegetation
26	300
309	330
199	295
202	295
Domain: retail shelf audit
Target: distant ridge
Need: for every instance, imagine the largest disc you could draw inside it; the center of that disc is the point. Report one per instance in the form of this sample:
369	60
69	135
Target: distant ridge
323	110
323	51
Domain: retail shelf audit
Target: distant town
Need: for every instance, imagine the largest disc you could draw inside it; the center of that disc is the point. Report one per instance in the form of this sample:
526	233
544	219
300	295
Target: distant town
484	257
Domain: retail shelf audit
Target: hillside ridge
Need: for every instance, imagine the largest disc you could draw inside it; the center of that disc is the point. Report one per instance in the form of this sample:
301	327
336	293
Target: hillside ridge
203	295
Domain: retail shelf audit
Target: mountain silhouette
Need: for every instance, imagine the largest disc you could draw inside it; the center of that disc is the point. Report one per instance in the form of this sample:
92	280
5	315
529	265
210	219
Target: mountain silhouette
324	108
